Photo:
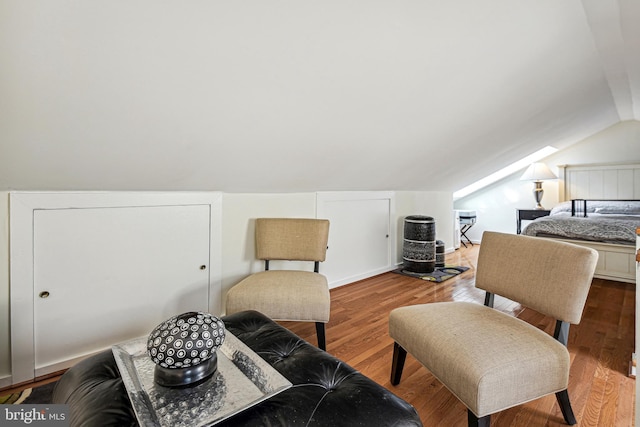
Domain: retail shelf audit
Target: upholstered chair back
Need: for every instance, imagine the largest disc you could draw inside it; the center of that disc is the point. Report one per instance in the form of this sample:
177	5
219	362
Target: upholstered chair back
293	239
531	274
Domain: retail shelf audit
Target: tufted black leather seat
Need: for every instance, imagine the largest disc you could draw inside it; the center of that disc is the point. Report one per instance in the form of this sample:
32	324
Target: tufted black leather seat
325	392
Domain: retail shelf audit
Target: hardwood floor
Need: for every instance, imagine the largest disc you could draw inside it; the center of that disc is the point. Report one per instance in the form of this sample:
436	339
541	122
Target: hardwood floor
601	392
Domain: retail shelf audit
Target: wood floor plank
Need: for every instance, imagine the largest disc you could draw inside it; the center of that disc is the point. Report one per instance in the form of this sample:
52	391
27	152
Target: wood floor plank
625	410
600	347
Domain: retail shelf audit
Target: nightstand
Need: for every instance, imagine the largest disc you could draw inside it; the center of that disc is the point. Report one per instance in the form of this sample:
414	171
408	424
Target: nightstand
528	215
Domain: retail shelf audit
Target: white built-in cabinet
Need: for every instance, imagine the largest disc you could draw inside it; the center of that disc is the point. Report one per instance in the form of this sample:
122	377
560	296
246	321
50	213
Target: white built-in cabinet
361	243
89	270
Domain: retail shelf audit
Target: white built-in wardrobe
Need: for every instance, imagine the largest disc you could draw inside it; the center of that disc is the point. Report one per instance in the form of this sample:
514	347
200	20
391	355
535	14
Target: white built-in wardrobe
92	269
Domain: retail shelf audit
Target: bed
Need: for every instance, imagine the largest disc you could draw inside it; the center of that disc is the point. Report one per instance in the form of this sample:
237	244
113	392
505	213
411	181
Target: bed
599	208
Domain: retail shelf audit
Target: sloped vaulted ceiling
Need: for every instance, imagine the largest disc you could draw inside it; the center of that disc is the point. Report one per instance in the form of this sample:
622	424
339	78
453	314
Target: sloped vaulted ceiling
286	96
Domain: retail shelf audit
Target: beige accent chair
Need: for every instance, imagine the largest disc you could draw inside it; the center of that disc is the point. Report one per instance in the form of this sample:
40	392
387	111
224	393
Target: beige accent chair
490	360
288	295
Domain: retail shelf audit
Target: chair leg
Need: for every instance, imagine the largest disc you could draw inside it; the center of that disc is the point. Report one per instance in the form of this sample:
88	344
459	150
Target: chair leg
399	356
565	407
322	340
474	421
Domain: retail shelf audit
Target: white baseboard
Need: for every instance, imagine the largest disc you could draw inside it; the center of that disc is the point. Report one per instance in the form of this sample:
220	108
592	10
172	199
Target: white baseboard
5	381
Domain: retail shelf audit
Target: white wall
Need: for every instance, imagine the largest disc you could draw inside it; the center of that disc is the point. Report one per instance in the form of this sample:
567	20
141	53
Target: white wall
238	245
5	327
496	205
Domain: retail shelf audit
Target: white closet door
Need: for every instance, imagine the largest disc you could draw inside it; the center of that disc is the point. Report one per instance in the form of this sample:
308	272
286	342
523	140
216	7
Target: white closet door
105	275
359	239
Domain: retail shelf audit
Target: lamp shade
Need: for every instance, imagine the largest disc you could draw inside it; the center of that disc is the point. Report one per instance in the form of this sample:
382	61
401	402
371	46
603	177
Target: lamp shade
537	172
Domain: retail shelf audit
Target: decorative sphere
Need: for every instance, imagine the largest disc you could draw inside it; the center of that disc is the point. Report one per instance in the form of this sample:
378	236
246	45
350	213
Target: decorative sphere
186	340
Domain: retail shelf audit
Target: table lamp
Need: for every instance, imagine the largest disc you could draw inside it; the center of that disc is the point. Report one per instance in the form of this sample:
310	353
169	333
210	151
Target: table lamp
538	172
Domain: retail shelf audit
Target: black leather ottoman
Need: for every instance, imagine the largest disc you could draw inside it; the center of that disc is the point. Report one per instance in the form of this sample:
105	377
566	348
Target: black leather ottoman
325	392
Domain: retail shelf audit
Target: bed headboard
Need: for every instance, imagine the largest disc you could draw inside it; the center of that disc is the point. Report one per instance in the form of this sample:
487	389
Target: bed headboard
599	182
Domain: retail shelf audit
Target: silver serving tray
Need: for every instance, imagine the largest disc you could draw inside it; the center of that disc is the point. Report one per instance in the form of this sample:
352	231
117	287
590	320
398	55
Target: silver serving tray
243	379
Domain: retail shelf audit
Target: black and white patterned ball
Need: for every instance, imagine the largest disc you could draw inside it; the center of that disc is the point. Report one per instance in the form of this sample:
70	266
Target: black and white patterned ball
185	340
